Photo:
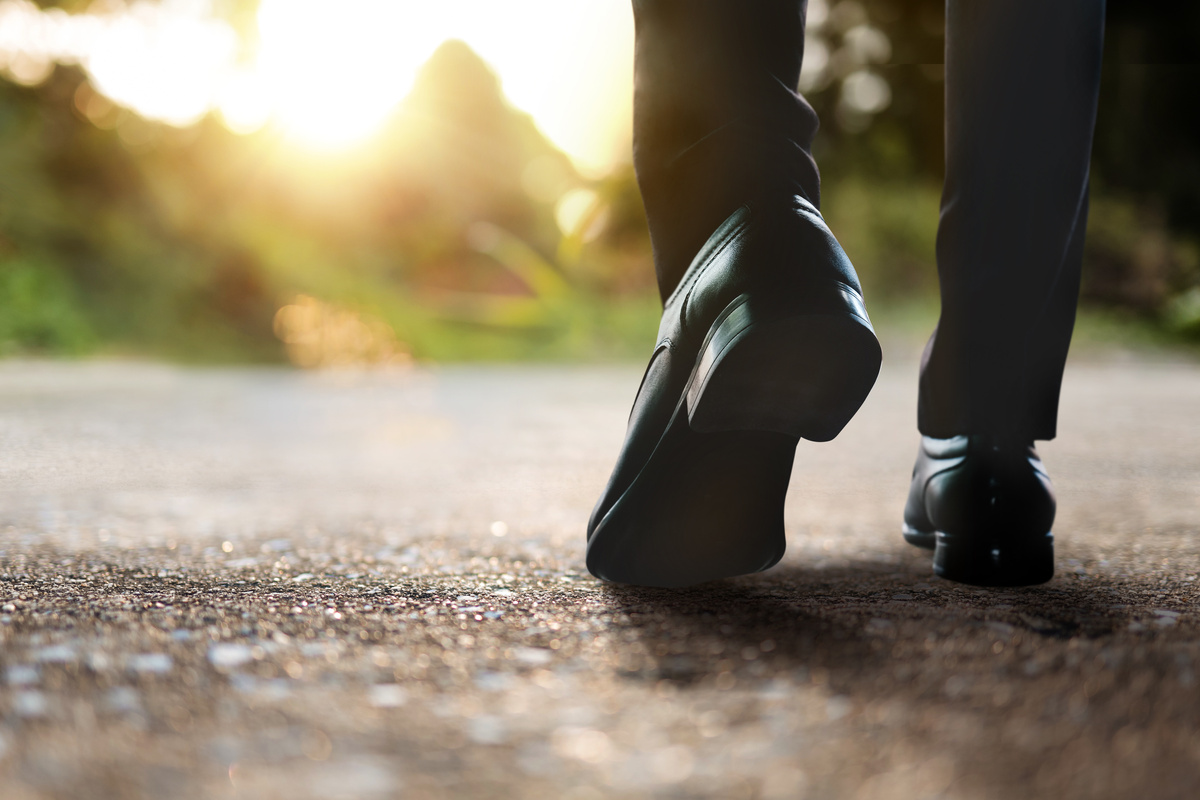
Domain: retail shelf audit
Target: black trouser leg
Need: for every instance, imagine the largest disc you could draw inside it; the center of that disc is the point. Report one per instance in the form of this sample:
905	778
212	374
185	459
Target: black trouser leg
717	120
1022	78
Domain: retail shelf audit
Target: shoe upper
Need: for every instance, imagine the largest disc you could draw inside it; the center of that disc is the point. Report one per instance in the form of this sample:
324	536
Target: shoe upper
778	252
980	483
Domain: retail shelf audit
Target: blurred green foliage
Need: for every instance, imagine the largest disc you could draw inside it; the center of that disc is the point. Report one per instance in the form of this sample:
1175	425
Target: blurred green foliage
184	243
122	236
888	228
39	309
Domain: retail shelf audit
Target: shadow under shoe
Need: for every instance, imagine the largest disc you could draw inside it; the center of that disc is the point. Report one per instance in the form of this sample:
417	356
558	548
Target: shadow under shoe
985	506
764	341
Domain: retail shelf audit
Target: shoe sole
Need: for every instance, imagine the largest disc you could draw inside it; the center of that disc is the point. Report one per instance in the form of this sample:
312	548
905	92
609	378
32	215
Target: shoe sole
709	502
926	540
988	560
704	507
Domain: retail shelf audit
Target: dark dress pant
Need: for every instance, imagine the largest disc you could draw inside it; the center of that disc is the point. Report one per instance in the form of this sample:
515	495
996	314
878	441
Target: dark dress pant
718	122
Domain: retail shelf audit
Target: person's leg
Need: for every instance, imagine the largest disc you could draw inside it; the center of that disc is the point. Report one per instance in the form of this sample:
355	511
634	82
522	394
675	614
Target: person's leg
764	338
716	116
1022	80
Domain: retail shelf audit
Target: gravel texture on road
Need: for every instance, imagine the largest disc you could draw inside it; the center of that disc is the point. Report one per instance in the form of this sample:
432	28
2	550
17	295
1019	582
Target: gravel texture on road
271	584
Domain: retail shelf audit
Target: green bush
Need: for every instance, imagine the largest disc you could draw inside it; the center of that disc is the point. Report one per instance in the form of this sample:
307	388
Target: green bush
39	311
1133	261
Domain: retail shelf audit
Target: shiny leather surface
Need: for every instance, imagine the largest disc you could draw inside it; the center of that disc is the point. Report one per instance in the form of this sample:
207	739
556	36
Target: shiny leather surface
979	486
777	251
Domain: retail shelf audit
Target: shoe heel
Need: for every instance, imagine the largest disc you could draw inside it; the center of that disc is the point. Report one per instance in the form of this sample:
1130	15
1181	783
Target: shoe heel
988	561
804	375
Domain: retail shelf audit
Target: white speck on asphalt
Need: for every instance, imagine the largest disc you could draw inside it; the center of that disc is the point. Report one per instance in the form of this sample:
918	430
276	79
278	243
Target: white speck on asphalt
487	729
30	703
22	675
494	681
123	699
228	655
387	695
837	707
533	656
151	663
55	654
359	777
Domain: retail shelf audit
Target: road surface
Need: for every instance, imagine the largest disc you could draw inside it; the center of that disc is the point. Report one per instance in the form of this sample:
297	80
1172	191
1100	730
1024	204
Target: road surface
274	584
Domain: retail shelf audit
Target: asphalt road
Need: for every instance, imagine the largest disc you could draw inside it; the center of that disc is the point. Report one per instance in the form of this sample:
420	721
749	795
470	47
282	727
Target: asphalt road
261	583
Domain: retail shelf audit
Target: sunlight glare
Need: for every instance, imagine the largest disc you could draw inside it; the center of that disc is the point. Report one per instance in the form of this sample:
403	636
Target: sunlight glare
568	64
329	73
336	70
159	62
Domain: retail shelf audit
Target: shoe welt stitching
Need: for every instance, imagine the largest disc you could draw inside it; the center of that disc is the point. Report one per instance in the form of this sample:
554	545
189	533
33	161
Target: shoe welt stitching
689	280
683	323
693	276
695	270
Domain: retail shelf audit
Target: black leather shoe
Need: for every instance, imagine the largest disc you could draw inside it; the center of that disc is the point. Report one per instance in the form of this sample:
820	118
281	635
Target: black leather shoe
764	341
985	506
